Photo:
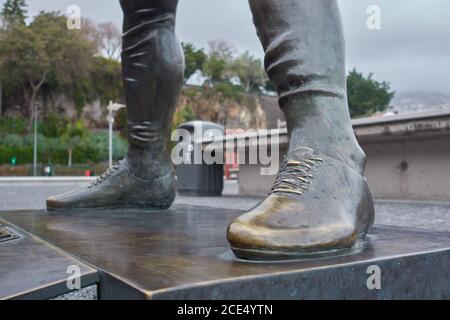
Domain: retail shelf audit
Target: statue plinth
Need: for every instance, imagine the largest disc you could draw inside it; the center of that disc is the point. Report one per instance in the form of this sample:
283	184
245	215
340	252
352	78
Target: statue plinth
182	253
31	268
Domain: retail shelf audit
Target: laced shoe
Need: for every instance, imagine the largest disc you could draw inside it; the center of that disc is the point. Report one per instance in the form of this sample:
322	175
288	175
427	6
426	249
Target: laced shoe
318	205
119	187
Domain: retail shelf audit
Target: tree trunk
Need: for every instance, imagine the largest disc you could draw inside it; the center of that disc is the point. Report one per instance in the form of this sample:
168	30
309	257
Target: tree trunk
34	92
1	99
32	109
247	87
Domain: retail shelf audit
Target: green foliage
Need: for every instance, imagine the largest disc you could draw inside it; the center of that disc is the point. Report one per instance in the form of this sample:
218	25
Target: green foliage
16	51
14	12
12	126
67	55
23	154
367	96
229	90
120	122
183	115
53	126
42	54
216	68
81	95
222	68
53	144
250	72
13	140
101	141
29	139
103	82
218	64
106	80
194	59
45	58
74	135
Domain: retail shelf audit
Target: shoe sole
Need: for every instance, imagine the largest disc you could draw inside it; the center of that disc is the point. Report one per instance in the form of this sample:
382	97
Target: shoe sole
273	256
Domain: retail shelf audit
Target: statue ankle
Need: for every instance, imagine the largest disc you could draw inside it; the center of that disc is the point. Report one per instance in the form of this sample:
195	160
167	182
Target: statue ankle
344	148
148	164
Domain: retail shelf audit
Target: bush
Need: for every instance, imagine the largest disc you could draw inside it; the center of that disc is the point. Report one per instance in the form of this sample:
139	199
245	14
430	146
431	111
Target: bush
229	90
12	126
55	137
367	96
90	148
100	140
13	140
29	139
121	122
52	150
23	154
53	126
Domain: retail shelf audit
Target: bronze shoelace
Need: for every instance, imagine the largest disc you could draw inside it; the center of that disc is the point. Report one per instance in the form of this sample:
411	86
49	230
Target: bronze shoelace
295	176
105	175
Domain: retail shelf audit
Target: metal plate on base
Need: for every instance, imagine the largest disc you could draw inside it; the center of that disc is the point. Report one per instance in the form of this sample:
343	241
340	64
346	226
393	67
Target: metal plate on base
32	269
6	234
182	253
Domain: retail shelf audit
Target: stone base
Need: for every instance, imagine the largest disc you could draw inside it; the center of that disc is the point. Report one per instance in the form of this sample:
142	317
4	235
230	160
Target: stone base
182	253
32	269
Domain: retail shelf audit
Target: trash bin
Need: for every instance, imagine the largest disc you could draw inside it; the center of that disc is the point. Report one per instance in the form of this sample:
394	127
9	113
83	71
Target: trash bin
199	179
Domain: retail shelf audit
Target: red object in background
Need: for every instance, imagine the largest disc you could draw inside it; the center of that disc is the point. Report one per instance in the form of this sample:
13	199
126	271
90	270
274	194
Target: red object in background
231	160
87	173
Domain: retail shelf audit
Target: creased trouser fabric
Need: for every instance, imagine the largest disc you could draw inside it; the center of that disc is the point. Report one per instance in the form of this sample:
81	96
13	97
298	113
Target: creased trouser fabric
304	58
153	68
303	44
302	39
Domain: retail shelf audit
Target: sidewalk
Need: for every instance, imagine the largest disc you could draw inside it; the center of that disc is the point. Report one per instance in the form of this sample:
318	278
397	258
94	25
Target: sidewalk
43	181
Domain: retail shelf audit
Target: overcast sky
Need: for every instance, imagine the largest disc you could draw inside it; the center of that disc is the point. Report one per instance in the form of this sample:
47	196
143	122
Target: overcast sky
411	51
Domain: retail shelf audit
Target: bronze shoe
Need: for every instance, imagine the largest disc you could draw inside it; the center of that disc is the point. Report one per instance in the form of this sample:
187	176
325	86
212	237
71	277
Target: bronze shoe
317	206
119	187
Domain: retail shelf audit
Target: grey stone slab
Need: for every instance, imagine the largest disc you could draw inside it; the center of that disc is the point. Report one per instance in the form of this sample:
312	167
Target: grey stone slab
32	269
88	293
182	253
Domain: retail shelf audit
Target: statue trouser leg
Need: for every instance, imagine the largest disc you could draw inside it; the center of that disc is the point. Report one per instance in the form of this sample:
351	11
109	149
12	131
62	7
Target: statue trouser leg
320	201
153	66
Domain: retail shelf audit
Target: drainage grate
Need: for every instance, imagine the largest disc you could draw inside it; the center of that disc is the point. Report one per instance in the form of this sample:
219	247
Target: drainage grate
6	234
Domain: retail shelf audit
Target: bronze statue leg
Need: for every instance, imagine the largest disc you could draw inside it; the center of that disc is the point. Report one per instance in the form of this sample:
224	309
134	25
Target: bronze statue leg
320	201
153	67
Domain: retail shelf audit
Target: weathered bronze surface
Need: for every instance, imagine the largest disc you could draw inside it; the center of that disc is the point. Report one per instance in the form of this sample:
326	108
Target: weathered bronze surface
318	206
119	188
321	202
183	253
32	269
152	70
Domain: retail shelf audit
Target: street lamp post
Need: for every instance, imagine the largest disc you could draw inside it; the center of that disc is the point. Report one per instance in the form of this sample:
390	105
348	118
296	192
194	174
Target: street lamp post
35	142
112	108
